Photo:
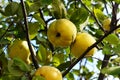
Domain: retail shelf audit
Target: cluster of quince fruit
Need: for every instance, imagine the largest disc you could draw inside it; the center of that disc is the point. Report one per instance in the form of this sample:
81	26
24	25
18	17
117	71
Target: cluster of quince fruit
61	33
20	49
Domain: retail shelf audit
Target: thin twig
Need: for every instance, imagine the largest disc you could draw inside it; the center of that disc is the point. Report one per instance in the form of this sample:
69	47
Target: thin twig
42	16
92	15
6	31
106	8
50	19
27	35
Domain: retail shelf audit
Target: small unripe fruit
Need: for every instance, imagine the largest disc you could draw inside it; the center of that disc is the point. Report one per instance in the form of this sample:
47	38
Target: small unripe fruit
106	24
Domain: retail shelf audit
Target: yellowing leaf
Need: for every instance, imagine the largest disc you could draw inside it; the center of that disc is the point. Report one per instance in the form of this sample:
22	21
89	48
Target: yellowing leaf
11	8
99	14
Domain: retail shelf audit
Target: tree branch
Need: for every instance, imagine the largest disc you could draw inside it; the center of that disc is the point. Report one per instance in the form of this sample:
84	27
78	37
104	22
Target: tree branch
114	15
113	24
42	16
27	35
104	64
88	49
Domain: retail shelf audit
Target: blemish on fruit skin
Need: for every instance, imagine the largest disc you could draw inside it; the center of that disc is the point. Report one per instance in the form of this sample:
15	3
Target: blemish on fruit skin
42	75
58	34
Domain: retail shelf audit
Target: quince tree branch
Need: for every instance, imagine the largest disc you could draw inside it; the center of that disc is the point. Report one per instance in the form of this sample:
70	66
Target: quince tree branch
42	16
88	49
113	25
27	35
92	46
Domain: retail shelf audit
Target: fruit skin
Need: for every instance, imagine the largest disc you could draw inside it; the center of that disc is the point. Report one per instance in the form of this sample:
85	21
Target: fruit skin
106	24
61	33
82	42
49	73
20	50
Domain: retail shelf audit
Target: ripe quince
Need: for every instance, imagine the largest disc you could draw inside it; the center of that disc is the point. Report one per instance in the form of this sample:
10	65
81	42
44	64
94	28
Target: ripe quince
82	42
61	33
49	73
20	50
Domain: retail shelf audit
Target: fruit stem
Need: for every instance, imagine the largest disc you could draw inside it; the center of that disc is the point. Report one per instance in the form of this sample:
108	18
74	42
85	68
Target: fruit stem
41	14
27	35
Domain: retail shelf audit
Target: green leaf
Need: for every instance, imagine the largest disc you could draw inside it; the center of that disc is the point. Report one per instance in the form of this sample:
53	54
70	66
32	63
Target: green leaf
39	19
11	8
42	53
76	72
112	39
111	70
99	14
46	2
107	49
116	60
116	49
99	64
70	76
13	70
34	7
24	78
33	29
117	1
38	78
63	66
59	9
10	77
4	41
58	59
20	11
21	64
79	16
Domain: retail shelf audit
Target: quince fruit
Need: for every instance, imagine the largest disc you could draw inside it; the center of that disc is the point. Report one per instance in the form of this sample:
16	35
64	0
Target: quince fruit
82	42
61	33
49	73
106	24
20	50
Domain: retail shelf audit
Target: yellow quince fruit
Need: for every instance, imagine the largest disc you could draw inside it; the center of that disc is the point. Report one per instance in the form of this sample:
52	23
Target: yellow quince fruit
20	50
82	42
106	24
61	33
49	73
